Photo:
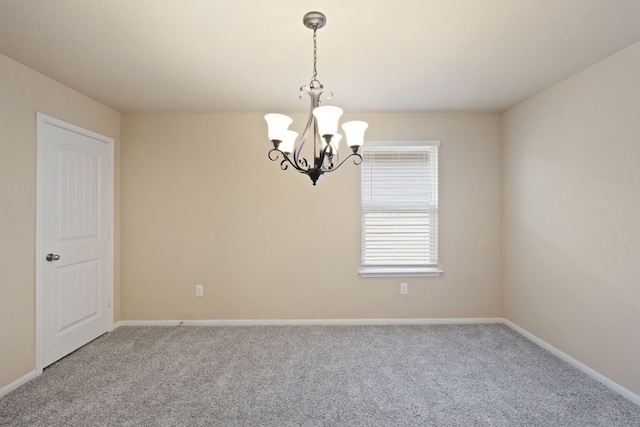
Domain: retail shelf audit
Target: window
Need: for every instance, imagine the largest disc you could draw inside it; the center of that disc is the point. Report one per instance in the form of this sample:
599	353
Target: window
399	209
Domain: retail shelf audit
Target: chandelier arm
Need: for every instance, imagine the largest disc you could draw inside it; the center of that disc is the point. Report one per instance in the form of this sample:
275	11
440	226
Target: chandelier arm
326	155
311	128
305	134
356	161
330	157
274	154
303	164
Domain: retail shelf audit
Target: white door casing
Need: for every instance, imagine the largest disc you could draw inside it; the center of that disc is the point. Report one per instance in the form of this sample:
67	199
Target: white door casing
74	223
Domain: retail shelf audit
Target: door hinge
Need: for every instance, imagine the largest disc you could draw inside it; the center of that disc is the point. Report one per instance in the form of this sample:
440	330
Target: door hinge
109	164
108	302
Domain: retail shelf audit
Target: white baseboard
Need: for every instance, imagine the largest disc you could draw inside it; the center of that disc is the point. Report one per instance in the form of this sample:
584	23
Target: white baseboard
284	322
17	383
584	368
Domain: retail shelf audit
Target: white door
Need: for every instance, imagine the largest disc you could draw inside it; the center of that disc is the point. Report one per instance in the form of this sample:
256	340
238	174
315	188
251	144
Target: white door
74	259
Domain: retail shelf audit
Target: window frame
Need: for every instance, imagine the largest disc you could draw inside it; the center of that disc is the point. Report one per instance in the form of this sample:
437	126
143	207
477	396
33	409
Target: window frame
398	270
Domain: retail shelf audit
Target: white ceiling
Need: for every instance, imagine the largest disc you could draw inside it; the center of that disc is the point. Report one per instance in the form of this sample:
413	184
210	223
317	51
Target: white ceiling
253	55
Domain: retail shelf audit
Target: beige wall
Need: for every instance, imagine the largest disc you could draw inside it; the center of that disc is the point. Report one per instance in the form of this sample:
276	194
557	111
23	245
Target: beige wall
23	92
202	203
571	216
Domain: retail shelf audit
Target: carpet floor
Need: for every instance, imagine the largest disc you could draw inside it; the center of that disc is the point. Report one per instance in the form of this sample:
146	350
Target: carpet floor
409	375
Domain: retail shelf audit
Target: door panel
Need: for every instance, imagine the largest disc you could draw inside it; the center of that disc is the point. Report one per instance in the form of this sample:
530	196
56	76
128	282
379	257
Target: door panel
75	217
79	190
77	295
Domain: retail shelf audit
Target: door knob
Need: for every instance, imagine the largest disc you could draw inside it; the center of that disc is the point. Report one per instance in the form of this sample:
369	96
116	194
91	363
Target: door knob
53	257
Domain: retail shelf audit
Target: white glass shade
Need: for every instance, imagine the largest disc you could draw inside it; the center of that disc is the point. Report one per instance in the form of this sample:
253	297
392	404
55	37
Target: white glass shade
288	141
354	132
277	125
327	118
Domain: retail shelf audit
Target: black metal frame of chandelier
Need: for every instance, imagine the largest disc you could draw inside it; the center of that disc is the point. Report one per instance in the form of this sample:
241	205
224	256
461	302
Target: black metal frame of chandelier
318	170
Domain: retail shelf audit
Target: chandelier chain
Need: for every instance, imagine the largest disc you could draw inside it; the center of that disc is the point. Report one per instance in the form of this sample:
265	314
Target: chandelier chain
315	58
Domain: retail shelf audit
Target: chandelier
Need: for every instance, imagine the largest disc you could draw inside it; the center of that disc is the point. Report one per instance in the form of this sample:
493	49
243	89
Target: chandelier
321	128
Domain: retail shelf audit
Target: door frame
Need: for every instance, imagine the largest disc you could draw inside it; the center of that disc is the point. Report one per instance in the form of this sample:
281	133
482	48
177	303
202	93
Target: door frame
43	120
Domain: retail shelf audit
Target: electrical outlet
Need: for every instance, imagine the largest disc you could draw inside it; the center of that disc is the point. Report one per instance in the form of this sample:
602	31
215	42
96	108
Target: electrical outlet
199	290
404	288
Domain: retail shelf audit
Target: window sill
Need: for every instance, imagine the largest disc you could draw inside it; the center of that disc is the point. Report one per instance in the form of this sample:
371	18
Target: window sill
400	272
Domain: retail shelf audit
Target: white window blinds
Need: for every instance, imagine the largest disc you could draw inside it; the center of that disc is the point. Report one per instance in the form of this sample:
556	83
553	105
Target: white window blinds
400	204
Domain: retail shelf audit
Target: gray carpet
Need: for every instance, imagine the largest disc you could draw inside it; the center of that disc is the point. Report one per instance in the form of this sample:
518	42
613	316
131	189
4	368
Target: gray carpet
435	375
